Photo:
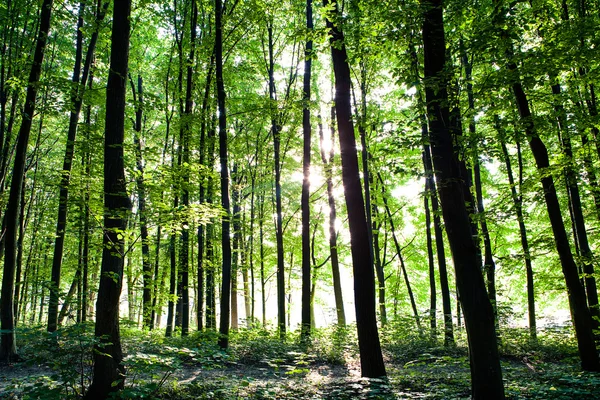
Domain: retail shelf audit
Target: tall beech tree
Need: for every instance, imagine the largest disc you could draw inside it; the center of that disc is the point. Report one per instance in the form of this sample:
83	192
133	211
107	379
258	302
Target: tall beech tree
333	242
223	157
486	374
371	359
109	371
580	313
79	80
138	97
305	201
8	348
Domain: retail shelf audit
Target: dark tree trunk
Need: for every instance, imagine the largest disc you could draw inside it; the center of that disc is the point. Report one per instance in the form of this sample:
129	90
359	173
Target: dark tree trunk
69	298
518	203
580	314
85	254
203	150
582	319
79	83
411	296
364	280
185	197
486	374
577	208
223	156
261	236
305	201
276	132
431	264
431	191
211	309
141	192
333	247
236	247
172	283
489	266
379	265
109	372
8	348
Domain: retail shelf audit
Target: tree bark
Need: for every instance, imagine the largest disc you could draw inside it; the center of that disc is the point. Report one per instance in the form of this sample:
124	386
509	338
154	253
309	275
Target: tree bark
518	203
364	280
305	200
223	156
8	348
109	372
486	375
141	194
79	81
333	247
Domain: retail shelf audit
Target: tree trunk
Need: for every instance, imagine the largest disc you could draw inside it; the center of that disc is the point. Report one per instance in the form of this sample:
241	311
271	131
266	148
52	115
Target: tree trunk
8	348
364	280
141	192
236	248
379	267
399	253
76	103
333	247
489	266
109	372
486	375
580	314
577	208
431	264
305	200
276	132
518	203
223	156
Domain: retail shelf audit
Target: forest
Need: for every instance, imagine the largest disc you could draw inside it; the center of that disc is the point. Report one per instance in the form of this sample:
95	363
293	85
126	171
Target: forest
354	199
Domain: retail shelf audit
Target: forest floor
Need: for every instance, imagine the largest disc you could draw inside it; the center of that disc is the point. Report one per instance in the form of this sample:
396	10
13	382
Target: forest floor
260	366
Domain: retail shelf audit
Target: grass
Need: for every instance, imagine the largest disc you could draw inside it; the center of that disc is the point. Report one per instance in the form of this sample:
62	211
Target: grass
260	366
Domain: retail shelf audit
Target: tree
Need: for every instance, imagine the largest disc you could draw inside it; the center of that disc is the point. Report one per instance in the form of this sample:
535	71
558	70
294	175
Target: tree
223	156
364	280
8	348
305	201
109	372
486	375
580	313
79	80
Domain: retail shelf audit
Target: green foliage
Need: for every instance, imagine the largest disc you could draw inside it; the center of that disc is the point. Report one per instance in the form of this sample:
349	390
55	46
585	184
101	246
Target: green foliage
261	366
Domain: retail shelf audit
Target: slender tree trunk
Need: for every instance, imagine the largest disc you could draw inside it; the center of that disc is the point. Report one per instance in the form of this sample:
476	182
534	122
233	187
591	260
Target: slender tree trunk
518	204
223	156
203	150
305	201
261	236
333	247
236	248
431	191
364	280
489	266
431	264
379	267
399	253
577	208
276	132
580	314
109	372
141	192
172	284
8	348
486	374
79	82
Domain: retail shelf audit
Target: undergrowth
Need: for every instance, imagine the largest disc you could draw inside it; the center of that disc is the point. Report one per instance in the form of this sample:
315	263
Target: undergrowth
260	365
